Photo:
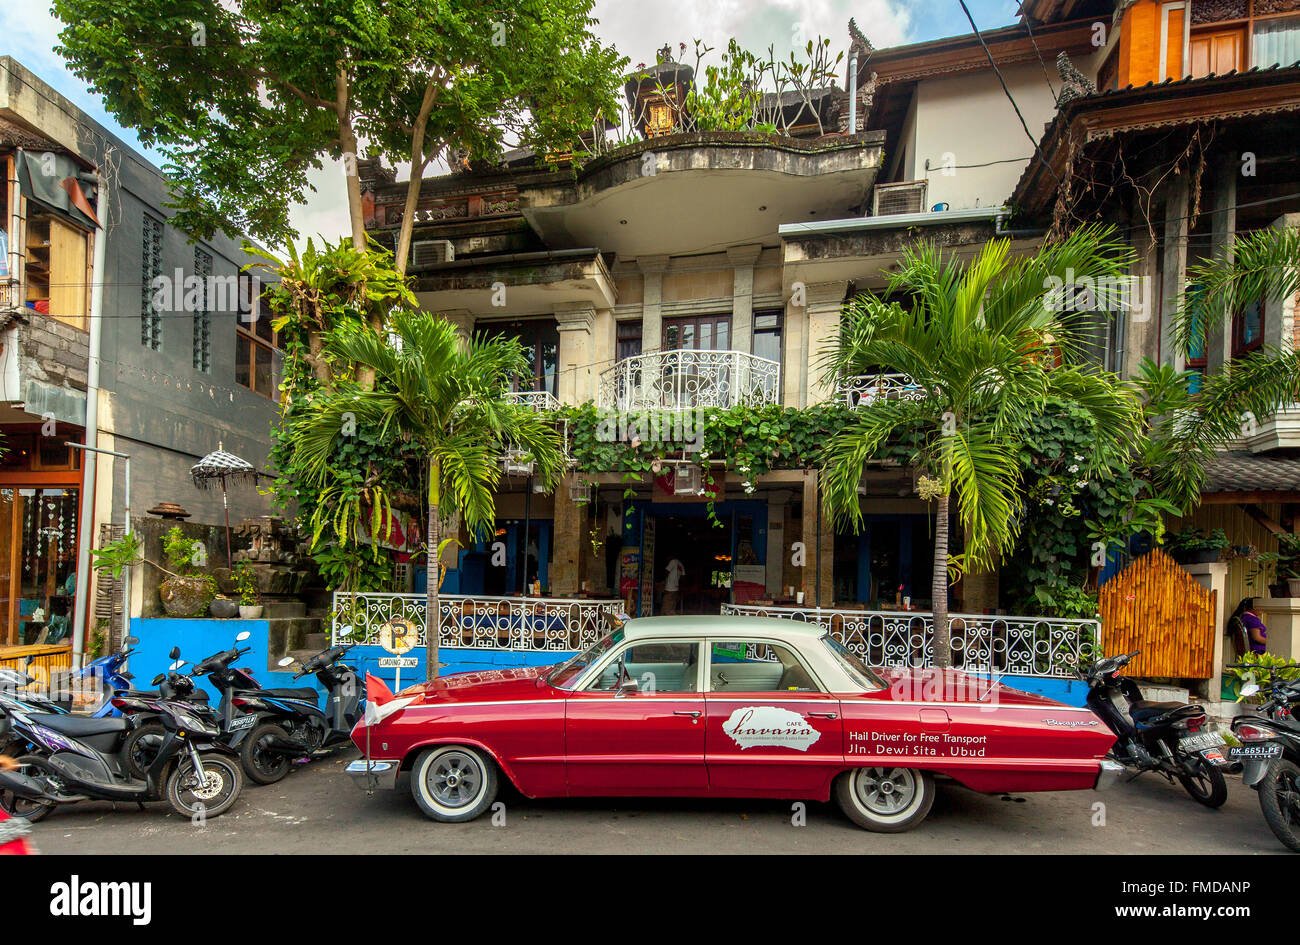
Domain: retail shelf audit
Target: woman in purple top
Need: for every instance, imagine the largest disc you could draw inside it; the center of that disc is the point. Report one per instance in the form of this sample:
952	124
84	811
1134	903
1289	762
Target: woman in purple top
1256	632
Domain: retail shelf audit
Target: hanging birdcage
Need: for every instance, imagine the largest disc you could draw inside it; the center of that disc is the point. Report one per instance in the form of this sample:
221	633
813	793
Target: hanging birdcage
517	462
688	479
581	492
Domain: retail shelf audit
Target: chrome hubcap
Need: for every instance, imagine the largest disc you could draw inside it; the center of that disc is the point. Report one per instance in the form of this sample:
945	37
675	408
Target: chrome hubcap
886	790
454	779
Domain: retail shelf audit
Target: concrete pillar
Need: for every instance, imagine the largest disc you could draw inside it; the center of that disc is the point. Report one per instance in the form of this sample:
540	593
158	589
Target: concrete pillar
979	592
776	546
742	259
1280	313
818	572
1223	230
1213	576
575	321
1141	324
825	299
652	298
566	553
1282	617
463	320
1173	268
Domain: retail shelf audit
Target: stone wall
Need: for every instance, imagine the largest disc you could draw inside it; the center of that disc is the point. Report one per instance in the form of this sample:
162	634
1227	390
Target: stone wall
53	353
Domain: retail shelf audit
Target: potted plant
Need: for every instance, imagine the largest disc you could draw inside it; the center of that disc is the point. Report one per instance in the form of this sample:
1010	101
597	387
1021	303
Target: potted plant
184	593
250	594
1283	565
1194	545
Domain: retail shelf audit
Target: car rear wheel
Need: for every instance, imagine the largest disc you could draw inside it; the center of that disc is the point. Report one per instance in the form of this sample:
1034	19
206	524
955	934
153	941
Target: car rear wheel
453	783
886	800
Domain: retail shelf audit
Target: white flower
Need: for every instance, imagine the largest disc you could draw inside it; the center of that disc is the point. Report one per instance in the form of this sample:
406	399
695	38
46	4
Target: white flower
1080	483
1073	469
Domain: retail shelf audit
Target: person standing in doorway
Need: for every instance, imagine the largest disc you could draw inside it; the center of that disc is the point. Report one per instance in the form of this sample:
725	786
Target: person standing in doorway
672	587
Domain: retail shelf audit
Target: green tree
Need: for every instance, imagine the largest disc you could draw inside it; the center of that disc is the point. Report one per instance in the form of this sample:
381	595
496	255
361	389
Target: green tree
245	97
445	397
989	343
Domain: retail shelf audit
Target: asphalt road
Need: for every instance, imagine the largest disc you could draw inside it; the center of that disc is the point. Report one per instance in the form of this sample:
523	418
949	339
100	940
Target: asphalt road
317	809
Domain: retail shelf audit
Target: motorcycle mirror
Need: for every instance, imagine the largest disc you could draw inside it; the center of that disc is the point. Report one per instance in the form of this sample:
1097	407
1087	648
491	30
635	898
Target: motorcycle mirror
177	665
158	680
131	641
175	653
242	637
1250	689
287	661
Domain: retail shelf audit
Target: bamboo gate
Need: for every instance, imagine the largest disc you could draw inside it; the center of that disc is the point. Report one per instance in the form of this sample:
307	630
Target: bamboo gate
1156	607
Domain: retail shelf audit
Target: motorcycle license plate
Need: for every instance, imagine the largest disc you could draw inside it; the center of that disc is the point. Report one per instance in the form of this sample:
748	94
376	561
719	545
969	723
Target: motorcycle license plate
1201	742
1257	750
244	721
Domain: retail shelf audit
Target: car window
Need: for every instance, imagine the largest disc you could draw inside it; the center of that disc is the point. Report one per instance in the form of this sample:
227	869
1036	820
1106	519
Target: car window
757	666
566	674
656	667
852	664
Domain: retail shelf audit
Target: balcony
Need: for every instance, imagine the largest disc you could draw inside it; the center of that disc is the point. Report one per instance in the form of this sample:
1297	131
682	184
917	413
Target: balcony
690	380
540	400
867	389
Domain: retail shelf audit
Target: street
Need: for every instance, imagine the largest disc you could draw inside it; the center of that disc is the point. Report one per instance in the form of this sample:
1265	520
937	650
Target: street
318	810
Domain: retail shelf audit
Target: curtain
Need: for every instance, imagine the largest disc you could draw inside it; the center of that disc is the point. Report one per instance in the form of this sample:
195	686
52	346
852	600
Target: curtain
1277	43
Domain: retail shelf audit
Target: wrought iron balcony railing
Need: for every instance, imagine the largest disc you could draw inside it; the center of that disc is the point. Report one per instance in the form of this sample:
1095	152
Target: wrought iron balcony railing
867	389
536	399
688	380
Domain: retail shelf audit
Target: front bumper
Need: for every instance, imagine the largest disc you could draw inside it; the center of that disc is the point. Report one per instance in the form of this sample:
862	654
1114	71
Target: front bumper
1109	774
373	774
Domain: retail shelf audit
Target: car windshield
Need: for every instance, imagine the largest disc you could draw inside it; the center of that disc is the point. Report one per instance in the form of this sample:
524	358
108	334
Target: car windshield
859	671
566	674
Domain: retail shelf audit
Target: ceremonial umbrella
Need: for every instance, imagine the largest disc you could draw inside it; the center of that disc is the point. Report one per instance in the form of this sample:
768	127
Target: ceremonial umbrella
222	467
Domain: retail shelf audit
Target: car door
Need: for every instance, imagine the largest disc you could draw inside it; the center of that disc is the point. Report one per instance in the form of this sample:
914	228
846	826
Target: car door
644	742
771	729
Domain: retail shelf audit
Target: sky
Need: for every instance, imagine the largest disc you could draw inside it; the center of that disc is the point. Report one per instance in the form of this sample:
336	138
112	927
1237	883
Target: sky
29	33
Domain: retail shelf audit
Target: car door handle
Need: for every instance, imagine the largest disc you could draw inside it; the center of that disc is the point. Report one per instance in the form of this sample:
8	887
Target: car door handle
823	715
693	713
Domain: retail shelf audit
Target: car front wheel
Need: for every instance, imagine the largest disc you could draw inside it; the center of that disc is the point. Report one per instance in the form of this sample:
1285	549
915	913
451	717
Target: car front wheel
886	800
453	783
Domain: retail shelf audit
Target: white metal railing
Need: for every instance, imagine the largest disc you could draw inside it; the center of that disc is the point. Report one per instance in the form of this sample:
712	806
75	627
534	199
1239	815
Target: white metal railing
480	623
9	294
687	380
866	389
987	643
536	399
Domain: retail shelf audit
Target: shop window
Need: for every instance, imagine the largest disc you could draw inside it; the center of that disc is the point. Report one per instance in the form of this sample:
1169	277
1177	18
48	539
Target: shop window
202	314
150	269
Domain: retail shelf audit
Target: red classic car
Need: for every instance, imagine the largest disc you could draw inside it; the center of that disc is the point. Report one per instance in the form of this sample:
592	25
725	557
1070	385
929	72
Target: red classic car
726	707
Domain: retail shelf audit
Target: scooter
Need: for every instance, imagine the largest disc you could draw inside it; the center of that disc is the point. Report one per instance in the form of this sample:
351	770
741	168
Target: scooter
1270	754
289	722
108	676
1165	737
192	771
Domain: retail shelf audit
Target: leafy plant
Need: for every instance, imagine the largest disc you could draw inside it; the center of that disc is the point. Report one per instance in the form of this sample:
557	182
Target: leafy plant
118	554
246	583
179	551
1193	539
1257	669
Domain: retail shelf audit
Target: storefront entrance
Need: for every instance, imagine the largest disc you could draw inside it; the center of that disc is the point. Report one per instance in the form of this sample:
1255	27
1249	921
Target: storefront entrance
38	563
886	565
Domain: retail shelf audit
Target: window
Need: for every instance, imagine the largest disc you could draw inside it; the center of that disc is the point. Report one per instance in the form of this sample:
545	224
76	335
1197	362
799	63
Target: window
1276	42
858	671
150	269
567	673
255	343
1217	51
1248	328
628	340
753	666
698	333
202	314
767	335
655	667
540	340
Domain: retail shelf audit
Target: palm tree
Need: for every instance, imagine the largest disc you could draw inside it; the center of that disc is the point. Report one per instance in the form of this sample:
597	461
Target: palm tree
445	396
988	343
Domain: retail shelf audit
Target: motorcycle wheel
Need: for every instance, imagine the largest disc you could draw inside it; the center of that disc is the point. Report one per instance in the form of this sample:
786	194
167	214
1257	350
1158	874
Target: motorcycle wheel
1279	799
1206	785
223	782
15	806
264	766
141	748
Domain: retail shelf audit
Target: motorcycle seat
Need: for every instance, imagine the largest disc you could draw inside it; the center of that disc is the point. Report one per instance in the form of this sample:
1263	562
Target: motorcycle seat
306	693
199	695
1142	710
78	726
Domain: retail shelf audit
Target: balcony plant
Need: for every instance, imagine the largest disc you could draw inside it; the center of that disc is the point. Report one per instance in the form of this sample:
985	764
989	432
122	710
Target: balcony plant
250	592
1192	545
184	593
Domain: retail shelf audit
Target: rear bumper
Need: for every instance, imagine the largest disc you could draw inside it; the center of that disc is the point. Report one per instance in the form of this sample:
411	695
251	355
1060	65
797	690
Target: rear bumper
373	774
1109	774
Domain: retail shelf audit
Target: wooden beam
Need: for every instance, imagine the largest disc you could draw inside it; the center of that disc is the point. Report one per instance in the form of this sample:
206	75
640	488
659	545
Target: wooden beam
1263	518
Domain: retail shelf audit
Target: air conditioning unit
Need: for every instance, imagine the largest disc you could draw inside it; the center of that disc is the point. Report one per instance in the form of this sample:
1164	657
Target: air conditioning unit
431	252
688	479
891	199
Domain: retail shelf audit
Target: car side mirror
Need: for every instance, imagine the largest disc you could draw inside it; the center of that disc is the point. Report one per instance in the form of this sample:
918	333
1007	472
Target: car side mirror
629	687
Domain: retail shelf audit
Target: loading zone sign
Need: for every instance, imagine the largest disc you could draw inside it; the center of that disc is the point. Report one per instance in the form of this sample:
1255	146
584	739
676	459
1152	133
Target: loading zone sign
398	662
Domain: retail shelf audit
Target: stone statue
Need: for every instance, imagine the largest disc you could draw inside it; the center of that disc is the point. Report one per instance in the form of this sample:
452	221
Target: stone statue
1074	84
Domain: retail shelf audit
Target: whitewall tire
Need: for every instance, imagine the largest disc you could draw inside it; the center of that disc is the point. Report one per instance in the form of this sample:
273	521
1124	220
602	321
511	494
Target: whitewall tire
885	799
454	783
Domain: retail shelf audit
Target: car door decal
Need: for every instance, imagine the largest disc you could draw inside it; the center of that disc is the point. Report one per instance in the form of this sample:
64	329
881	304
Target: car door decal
753	726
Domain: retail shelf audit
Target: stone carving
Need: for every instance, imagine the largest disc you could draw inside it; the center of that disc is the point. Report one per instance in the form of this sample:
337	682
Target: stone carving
1074	84
858	43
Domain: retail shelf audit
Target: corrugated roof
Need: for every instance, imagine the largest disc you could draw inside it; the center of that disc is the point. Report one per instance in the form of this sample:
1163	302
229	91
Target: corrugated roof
1240	471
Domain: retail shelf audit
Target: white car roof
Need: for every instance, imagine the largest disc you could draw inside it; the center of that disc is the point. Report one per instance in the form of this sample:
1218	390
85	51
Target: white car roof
721	627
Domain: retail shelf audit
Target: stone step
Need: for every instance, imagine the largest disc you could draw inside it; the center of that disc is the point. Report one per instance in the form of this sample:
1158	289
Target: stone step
280	609
318	641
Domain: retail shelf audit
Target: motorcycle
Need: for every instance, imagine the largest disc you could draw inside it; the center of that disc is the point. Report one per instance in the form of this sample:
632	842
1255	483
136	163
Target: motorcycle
1165	737
80	760
1270	754
108	676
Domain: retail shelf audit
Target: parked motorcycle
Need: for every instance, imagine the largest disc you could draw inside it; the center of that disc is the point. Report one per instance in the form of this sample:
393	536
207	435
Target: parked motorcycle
109	676
81	760
1166	737
1270	753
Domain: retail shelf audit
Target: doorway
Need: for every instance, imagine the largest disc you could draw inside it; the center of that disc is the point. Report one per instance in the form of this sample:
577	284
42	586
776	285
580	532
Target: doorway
38	563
